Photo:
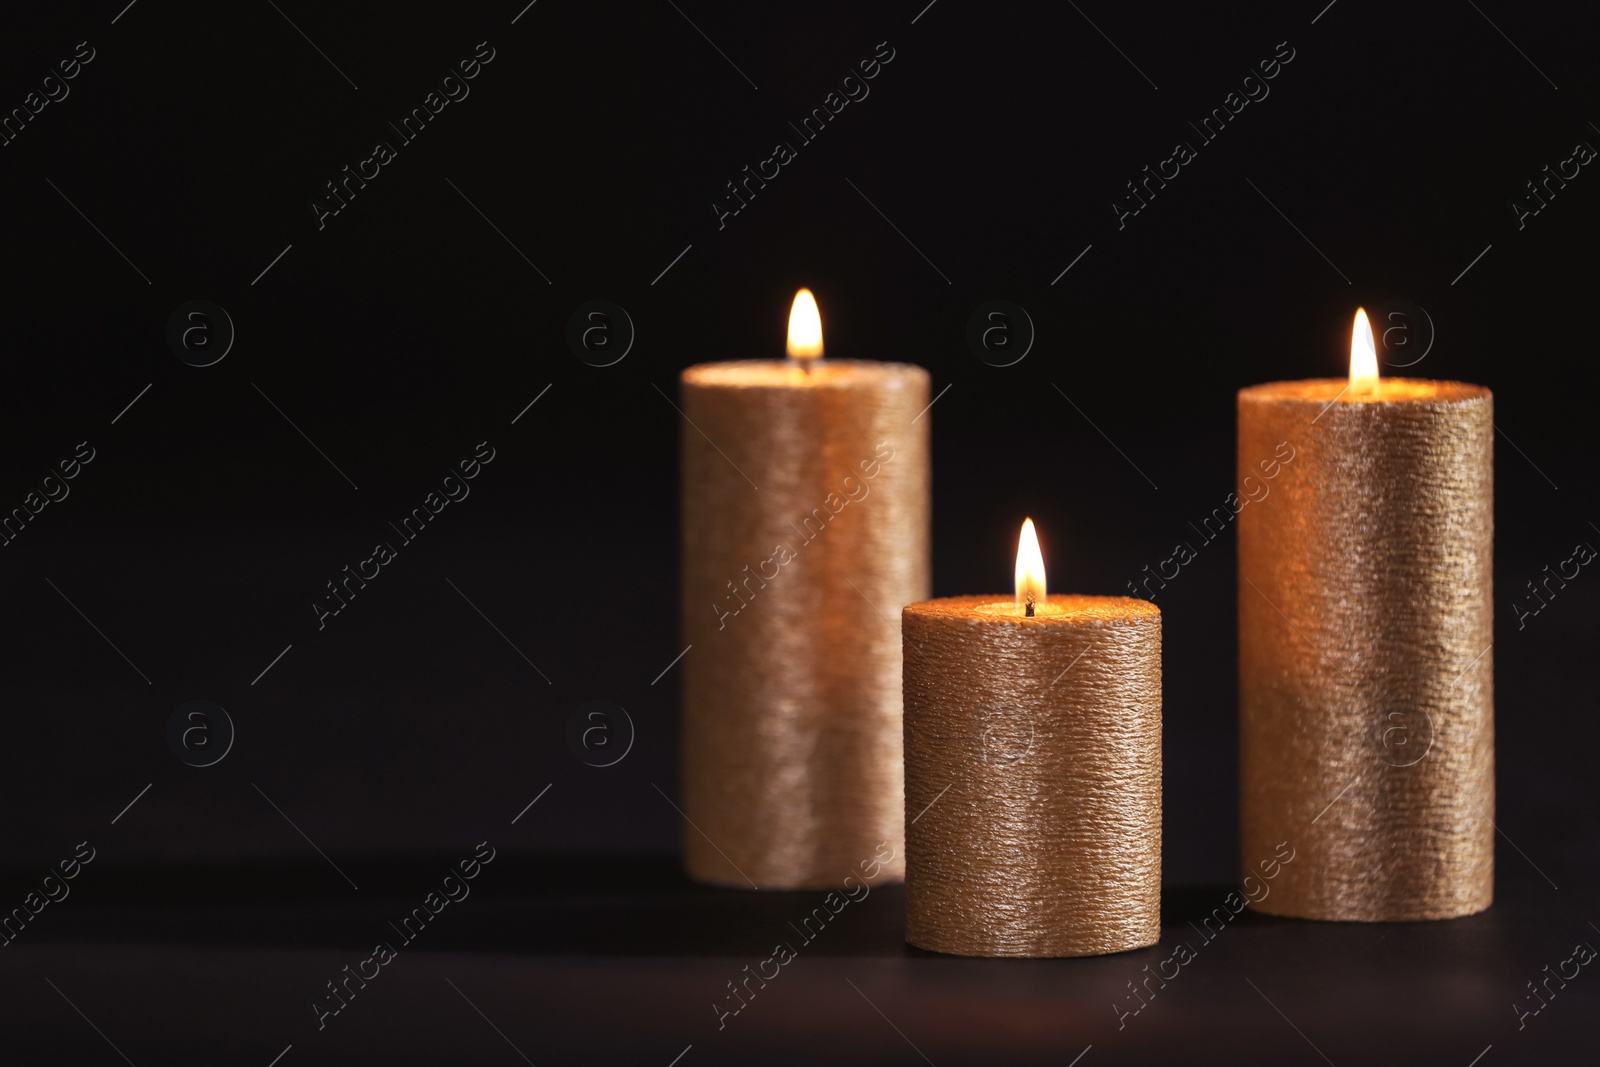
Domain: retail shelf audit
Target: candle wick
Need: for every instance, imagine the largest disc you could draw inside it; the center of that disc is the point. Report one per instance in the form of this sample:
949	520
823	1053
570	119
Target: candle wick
1028	612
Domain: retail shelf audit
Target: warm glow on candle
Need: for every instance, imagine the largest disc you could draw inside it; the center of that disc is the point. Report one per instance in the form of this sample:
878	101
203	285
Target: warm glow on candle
1363	356
1030	569
805	327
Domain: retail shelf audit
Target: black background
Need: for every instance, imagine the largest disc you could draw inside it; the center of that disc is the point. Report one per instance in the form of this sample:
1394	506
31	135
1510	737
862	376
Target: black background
410	327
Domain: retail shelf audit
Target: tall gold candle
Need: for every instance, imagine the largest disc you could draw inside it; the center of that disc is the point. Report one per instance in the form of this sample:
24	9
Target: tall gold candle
1033	771
805	531
1366	707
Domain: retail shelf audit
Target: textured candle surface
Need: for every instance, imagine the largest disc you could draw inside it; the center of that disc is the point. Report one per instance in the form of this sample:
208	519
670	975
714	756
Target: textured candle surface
805	531
1033	776
1365	671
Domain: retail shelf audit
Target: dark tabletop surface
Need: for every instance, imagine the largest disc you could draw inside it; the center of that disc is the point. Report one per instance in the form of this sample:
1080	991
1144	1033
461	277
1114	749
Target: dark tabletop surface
595	959
188	156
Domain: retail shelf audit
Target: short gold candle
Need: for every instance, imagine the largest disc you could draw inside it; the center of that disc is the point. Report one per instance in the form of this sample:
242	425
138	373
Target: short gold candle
805	530
1366	723
1033	776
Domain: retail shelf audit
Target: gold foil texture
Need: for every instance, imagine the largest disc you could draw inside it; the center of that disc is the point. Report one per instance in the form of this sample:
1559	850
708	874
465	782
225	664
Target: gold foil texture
1366	723
805	531
1033	776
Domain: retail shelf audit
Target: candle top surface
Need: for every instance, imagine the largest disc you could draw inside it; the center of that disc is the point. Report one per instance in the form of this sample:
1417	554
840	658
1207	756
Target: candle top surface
790	374
1389	391
1058	610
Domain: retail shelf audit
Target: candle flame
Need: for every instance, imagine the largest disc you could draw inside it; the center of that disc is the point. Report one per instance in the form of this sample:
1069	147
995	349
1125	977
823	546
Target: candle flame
805	327
1030	567
1363	356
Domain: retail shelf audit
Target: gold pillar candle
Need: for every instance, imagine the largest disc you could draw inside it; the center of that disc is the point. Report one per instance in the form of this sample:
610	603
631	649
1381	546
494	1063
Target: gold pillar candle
1366	728
1033	774
805	530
